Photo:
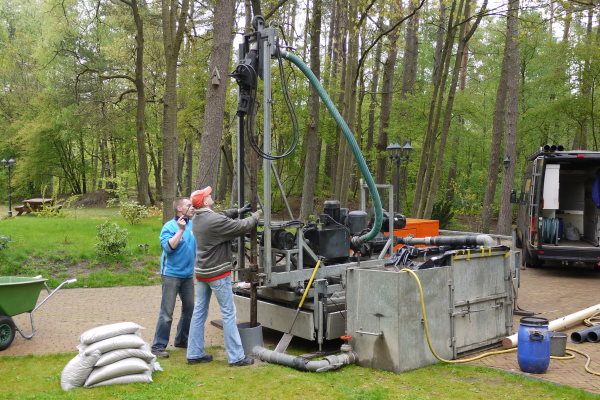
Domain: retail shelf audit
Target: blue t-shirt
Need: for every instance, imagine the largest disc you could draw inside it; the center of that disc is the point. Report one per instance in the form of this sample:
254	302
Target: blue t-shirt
178	262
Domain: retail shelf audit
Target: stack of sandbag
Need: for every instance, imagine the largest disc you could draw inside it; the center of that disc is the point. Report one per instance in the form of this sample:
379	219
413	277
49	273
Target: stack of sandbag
110	354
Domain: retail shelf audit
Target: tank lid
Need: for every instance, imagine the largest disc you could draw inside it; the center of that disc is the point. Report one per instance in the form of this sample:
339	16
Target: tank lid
332	204
357	212
534	321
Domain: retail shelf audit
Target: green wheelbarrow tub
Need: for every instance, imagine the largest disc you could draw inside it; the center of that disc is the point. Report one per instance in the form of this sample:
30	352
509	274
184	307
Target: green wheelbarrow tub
18	294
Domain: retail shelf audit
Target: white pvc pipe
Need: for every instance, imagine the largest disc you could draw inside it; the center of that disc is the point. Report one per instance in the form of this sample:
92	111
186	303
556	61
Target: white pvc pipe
558	324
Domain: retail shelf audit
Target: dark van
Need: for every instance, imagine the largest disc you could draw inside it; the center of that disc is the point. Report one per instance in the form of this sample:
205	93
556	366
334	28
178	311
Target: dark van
559	208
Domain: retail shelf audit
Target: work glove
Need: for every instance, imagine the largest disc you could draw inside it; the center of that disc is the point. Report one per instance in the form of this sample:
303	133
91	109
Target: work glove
257	214
245	209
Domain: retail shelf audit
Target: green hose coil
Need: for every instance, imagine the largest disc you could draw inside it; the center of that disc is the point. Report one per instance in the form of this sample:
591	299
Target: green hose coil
550	227
351	141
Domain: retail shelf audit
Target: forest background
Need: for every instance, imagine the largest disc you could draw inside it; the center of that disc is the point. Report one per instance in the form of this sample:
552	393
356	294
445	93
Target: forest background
134	96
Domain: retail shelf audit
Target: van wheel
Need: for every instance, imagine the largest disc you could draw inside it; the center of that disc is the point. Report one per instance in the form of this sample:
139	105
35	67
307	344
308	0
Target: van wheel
530	261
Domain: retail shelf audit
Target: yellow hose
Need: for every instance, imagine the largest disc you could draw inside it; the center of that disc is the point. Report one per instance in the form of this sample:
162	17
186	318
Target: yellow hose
464	360
427	329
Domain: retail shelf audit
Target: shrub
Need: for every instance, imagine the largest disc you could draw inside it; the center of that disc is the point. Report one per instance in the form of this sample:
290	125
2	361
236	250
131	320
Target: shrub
132	211
443	212
4	240
112	239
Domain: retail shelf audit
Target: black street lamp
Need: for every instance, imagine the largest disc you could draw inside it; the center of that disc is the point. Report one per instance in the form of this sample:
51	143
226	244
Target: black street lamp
506	162
9	164
398	154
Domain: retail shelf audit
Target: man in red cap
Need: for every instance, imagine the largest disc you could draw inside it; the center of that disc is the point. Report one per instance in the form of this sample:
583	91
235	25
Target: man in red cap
214	232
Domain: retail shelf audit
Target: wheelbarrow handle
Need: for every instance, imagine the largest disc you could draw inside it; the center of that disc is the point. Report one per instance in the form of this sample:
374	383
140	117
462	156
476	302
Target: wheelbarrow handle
52	293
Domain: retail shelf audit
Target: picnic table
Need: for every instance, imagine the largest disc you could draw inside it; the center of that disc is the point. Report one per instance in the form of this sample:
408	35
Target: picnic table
36	204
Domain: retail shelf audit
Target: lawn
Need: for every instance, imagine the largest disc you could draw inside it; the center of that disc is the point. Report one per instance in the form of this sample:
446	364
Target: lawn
62	248
39	378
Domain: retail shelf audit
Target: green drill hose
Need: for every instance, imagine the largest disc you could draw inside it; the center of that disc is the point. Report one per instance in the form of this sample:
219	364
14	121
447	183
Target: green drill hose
351	141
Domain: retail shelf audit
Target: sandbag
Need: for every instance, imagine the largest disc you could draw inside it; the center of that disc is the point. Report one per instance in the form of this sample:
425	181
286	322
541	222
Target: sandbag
115	355
113	343
78	369
107	331
134	378
127	366
571	232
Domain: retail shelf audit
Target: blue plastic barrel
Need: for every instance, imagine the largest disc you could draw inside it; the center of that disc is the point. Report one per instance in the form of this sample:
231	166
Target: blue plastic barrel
533	349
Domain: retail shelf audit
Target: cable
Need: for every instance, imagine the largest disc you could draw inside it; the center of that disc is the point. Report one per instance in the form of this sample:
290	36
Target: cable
426	324
587	363
288	101
593	320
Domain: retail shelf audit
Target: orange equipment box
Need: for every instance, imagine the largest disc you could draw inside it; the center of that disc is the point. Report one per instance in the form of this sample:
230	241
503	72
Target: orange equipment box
418	228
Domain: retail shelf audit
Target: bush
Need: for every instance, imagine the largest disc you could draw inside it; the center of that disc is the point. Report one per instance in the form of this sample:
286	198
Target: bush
132	211
4	240
112	239
443	212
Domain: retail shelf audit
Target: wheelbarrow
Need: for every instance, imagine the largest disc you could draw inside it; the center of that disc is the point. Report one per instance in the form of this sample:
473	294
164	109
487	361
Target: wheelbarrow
19	295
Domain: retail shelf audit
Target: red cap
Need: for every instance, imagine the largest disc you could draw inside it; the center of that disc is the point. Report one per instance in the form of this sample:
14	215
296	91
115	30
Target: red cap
198	196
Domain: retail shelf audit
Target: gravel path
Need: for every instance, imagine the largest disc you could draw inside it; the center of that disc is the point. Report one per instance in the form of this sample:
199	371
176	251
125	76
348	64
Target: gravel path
70	312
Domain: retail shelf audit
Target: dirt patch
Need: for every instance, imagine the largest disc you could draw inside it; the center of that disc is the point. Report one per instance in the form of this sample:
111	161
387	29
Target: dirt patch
94	199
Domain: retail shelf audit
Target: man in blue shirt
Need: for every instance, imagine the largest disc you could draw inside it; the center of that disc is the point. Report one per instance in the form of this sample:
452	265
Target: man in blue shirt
177	272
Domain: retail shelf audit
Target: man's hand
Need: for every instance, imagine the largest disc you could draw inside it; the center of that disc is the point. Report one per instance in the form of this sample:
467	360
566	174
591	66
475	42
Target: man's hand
181	222
245	209
257	214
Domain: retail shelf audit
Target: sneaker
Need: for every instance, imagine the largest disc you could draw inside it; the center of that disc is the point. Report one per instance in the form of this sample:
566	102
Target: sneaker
243	362
160	353
181	345
204	359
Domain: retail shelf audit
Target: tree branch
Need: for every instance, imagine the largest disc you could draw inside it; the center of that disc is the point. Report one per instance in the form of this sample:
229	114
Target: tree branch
274	9
378	38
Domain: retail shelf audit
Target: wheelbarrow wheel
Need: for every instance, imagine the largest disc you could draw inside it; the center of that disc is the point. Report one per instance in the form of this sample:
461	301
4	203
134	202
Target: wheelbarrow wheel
7	331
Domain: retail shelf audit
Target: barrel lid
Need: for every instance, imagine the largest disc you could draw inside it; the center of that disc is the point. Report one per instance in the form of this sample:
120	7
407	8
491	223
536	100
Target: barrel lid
534	321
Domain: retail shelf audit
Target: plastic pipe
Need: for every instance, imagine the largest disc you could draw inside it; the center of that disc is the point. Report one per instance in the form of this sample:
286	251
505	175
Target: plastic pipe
558	324
356	241
482	240
328	363
590	334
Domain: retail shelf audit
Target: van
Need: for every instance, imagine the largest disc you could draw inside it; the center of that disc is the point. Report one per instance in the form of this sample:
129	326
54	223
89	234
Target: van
559	208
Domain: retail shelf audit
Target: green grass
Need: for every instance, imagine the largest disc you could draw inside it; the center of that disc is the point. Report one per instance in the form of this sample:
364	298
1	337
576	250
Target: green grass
62	248
39	378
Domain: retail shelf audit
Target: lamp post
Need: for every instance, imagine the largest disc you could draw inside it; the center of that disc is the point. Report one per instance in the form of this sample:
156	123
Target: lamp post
398	154
9	164
506	162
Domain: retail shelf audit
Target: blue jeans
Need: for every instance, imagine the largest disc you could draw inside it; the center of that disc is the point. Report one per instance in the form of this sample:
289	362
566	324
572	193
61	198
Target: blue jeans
171	287
223	292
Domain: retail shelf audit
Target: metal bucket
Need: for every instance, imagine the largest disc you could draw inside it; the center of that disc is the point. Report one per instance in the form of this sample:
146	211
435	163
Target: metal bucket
558	344
251	336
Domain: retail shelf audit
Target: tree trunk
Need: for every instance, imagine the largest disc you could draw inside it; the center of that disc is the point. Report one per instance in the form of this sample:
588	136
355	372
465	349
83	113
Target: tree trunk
512	114
173	25
373	103
497	134
409	77
345	160
311	161
463	15
387	86
143	186
214	111
338	79
440	62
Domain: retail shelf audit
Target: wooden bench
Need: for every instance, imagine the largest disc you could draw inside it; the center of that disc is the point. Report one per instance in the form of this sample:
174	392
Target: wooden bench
37	204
